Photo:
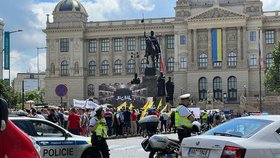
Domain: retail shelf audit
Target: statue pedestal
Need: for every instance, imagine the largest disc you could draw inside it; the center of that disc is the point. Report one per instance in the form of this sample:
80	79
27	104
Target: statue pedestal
150	71
151	83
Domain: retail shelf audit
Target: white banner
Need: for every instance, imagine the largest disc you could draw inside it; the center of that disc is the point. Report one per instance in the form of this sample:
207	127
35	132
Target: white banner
91	105
79	103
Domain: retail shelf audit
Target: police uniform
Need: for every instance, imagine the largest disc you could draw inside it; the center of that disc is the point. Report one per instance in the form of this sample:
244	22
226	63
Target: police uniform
182	123
98	137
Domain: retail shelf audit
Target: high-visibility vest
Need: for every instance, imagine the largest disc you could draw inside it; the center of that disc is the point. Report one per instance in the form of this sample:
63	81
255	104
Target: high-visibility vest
101	129
182	121
205	116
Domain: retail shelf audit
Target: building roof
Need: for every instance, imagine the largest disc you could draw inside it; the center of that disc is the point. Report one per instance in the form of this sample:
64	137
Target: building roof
70	5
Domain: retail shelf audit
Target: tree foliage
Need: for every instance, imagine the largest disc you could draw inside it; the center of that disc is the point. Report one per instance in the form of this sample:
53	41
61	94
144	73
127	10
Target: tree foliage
272	76
10	95
36	95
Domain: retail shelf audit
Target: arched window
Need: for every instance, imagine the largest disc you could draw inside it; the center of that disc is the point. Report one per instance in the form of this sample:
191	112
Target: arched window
91	90
118	67
131	66
217	88
170	64
52	69
202	88
143	65
76	68
64	68
232	59
91	68
203	60
232	88
268	60
105	67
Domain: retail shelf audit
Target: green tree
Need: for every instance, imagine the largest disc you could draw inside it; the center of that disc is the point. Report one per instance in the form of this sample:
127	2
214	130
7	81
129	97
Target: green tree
272	76
10	95
36	95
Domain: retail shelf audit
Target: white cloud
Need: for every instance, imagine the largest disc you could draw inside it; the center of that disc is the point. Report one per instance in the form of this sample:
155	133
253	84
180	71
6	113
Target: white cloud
269	5
142	5
42	63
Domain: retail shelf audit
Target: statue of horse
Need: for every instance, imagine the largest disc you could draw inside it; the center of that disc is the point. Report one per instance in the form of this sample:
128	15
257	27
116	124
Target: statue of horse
152	49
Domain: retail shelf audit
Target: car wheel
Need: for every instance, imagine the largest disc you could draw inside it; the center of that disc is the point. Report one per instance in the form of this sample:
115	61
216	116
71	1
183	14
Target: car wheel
88	154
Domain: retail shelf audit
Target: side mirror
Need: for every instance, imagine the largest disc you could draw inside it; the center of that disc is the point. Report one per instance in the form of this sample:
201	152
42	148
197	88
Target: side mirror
3	114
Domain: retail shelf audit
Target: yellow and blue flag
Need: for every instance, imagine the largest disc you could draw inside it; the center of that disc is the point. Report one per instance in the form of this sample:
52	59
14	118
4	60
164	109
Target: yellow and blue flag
217	48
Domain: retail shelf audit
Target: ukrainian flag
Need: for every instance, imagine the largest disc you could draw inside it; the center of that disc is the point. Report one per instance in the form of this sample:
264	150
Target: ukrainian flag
217	49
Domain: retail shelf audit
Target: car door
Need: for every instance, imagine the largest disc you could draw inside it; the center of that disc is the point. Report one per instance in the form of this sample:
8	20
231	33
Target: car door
52	140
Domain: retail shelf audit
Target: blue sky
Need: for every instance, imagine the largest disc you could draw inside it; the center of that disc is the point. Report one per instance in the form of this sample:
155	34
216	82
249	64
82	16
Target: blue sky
30	16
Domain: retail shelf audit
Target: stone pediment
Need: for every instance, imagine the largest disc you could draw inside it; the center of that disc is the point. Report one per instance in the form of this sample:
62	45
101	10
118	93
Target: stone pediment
216	13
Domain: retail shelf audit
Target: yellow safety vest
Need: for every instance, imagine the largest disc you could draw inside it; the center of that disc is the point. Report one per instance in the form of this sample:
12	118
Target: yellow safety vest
182	121
205	116
101	129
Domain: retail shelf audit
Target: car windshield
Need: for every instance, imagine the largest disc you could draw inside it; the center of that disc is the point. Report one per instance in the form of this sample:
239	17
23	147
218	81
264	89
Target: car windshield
244	128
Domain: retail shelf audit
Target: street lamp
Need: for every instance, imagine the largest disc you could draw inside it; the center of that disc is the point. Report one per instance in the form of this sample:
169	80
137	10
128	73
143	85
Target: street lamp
260	72
38	69
7	46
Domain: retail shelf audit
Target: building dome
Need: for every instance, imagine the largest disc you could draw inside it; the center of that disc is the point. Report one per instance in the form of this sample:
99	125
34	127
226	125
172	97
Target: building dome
70	5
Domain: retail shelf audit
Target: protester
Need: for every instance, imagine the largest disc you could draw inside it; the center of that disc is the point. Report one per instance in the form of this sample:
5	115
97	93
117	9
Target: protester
73	125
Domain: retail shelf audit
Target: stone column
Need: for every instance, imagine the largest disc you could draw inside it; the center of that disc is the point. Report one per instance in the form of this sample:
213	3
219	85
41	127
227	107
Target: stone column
195	65
98	57
210	59
124	56
176	51
239	46
190	48
245	47
111	57
225	59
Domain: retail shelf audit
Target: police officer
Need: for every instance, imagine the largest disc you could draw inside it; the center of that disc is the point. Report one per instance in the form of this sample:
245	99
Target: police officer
98	129
184	118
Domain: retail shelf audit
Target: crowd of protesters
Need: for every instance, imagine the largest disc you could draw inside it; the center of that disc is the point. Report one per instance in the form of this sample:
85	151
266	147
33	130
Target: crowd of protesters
122	122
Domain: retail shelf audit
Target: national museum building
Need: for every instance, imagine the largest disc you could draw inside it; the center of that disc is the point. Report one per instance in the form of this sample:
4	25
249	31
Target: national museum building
210	46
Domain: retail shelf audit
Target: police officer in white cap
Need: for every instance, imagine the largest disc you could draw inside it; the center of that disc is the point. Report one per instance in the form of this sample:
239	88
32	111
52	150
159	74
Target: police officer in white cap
184	118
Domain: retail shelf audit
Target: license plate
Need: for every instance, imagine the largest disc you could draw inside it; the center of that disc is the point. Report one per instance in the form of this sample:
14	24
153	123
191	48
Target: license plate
201	153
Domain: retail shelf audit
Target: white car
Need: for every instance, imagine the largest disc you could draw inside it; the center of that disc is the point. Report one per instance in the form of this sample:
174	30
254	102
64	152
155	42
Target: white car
54	141
245	137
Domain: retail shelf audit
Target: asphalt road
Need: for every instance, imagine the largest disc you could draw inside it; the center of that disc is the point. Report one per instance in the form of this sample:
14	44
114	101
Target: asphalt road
129	147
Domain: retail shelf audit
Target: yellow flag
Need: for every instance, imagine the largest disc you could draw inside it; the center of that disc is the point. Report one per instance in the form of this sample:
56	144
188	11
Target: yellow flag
170	112
148	105
159	104
144	107
131	106
163	109
123	105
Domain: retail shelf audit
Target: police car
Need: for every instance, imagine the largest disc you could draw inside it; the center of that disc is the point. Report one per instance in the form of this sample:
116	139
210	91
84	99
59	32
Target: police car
55	141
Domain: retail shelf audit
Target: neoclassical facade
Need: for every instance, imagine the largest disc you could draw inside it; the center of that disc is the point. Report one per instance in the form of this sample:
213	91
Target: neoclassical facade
209	46
1	47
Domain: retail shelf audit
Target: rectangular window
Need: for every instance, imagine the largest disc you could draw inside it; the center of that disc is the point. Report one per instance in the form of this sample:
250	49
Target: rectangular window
183	40
270	37
142	43
131	44
105	45
253	36
118	44
92	46
170	42
183	63
253	59
64	45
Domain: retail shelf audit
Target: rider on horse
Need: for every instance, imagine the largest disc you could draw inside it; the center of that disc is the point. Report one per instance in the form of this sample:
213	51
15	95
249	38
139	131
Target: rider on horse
152	48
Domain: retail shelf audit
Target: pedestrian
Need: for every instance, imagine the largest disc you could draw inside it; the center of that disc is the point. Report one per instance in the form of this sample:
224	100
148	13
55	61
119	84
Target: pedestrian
98	129
109	120
163	121
73	125
53	117
184	118
83	122
133	122
127	121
